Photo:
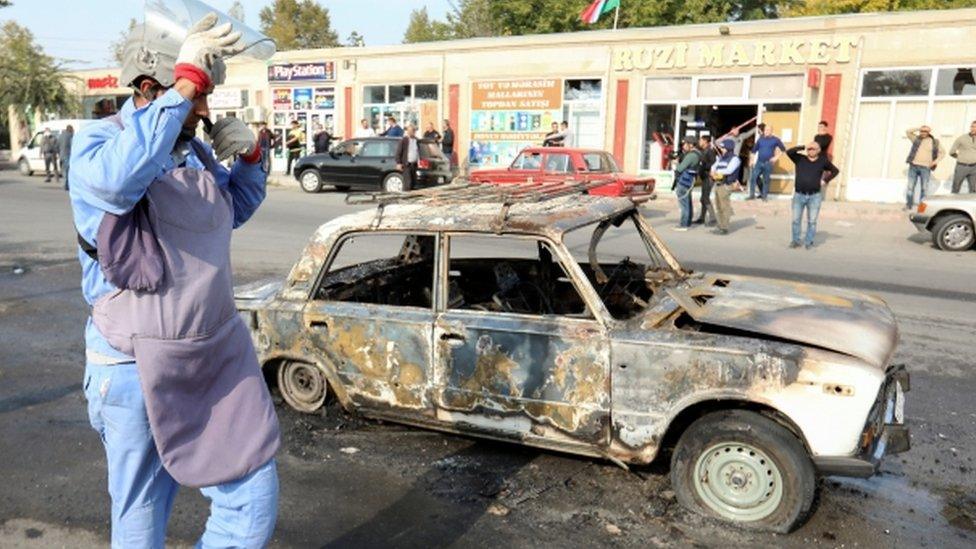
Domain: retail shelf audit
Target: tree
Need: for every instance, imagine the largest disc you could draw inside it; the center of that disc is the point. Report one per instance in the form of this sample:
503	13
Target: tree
29	78
236	11
118	45
831	7
298	24
355	40
422	29
5	3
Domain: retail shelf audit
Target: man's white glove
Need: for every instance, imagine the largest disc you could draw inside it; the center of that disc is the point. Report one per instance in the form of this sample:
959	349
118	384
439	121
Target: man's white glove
231	136
204	49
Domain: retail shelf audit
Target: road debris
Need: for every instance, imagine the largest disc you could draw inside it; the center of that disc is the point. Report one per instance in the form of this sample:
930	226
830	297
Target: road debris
349	450
498	510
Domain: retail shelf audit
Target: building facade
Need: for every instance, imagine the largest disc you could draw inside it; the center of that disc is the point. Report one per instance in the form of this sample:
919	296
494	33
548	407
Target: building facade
635	92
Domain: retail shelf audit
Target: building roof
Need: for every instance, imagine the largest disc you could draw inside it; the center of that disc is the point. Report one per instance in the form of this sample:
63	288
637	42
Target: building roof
767	28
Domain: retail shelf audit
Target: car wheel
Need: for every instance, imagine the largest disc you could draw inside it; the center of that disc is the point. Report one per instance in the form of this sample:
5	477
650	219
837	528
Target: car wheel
302	385
394	183
746	469
310	181
954	233
24	166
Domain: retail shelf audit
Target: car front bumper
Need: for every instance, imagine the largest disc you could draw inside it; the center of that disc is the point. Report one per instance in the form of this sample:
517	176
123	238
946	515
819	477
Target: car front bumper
884	433
920	221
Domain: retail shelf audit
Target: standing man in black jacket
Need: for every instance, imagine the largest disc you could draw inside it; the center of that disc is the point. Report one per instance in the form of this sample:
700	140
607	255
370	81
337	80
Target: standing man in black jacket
408	156
709	156
813	171
447	142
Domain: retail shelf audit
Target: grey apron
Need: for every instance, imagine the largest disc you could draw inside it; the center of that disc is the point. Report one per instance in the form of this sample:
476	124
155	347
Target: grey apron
209	408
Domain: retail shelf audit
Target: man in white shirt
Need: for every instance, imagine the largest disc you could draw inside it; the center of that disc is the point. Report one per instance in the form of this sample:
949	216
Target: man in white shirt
364	129
569	140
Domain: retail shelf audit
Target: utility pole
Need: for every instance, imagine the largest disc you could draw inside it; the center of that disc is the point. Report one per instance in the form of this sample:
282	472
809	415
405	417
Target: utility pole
616	16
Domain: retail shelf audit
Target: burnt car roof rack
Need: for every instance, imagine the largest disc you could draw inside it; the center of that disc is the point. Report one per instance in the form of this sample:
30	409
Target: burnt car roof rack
468	192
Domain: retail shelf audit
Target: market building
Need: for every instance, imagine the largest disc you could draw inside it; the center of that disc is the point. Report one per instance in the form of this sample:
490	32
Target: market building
635	92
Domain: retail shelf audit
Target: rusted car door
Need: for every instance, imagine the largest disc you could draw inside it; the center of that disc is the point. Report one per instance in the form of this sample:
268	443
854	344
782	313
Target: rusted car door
371	317
537	378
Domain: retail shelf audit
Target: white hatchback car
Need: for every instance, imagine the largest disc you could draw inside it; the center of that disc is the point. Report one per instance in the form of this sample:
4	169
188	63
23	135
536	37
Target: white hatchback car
31	159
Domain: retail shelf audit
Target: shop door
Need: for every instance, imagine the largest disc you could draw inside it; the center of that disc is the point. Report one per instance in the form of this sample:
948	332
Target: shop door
785	119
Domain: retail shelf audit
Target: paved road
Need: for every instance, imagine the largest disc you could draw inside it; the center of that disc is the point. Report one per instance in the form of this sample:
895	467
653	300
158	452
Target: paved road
407	487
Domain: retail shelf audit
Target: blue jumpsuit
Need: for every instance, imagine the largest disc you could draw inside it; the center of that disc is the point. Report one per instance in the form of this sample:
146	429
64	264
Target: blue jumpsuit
111	168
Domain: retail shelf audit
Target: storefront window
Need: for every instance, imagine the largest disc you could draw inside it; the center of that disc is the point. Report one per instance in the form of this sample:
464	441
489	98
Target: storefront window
589	90
399	93
409	103
425	92
374	94
582	105
896	83
658	136
955	81
720	87
667	89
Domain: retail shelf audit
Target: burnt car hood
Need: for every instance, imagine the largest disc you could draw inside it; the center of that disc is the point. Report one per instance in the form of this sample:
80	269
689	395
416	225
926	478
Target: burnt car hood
835	319
250	295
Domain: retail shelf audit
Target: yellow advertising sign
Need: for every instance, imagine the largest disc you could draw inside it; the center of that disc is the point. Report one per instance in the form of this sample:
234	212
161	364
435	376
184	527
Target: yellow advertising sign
755	53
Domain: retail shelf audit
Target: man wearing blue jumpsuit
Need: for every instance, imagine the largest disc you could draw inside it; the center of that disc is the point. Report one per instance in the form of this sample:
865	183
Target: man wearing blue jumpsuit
113	162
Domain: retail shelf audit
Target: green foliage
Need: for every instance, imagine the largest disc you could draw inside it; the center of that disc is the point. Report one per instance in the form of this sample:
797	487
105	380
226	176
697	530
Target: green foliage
298	24
5	3
29	78
470	18
422	29
831	7
355	40
115	48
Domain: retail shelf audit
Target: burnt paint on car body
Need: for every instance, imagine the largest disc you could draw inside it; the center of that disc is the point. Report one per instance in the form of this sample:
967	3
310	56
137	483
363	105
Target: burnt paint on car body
600	387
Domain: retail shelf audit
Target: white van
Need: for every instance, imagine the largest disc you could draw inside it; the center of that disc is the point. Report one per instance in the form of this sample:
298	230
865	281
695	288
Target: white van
31	159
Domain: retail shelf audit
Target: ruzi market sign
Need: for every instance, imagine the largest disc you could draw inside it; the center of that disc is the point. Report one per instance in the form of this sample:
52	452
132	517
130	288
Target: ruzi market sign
756	53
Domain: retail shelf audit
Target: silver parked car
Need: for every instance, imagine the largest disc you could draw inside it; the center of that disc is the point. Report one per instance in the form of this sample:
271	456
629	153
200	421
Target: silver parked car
949	218
503	312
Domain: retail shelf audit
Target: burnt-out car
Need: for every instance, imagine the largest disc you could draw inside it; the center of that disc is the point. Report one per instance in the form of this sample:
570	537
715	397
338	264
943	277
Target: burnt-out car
511	317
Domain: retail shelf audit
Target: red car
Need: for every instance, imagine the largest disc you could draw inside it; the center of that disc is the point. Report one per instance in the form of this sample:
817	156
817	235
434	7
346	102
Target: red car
556	164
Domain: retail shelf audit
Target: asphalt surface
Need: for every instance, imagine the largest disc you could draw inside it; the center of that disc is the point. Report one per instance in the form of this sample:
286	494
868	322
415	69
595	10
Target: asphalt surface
411	488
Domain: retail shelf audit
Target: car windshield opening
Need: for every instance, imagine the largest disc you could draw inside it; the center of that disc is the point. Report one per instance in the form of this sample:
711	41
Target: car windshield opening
622	262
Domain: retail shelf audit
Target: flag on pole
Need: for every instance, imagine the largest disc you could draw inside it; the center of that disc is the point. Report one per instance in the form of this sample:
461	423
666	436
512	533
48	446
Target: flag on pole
595	10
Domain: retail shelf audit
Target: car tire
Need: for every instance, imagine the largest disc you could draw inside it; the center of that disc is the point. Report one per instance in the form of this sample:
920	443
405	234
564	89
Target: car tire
24	166
310	181
953	233
767	480
395	183
303	386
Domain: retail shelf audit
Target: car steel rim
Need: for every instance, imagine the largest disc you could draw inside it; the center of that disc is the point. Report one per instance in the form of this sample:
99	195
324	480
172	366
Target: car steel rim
302	385
394	184
310	180
958	235
738	482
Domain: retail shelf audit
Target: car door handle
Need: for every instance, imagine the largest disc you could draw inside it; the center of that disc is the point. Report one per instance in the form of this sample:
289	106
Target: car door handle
453	339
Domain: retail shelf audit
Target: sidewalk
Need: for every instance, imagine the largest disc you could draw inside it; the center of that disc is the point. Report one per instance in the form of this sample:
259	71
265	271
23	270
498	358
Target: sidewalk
781	205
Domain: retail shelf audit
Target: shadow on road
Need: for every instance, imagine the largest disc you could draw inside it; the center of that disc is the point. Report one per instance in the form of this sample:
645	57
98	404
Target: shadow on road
37	397
419	520
741	223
